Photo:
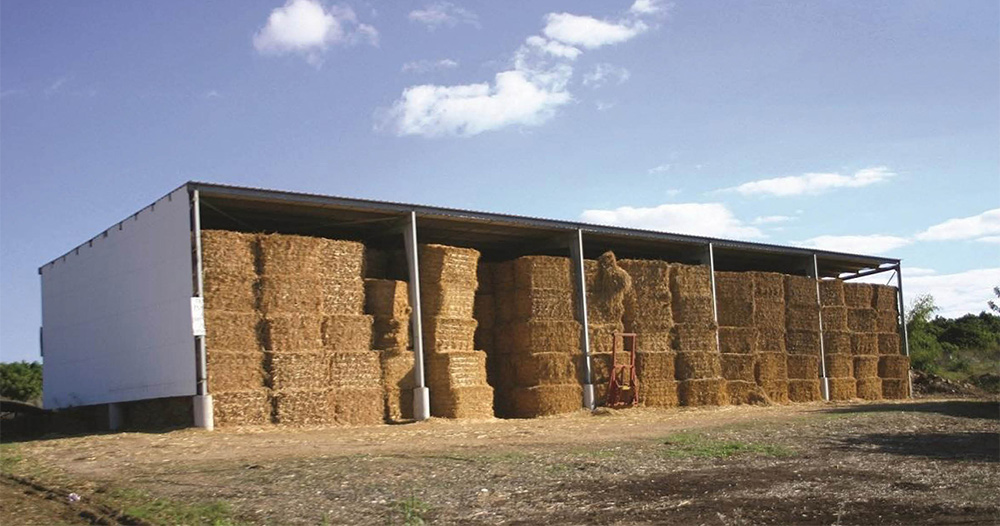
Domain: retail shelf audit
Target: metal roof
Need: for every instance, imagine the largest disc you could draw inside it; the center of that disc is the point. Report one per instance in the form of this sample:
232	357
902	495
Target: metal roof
247	208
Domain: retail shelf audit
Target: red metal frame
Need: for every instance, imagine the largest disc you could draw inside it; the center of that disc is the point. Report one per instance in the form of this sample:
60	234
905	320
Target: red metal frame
623	388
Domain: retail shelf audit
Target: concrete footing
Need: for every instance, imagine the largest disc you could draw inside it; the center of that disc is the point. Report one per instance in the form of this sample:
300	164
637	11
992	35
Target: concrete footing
588	396
421	403
824	388
116	417
203	414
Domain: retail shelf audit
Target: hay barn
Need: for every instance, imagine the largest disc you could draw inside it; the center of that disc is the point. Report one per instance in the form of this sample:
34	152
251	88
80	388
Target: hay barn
230	306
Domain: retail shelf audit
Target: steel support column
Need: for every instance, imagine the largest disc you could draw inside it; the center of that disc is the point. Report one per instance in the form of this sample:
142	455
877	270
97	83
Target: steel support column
824	381
421	394
902	325
203	408
576	252
715	301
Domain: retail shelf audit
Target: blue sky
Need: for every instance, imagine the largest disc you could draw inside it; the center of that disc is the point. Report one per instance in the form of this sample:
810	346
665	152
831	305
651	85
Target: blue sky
870	127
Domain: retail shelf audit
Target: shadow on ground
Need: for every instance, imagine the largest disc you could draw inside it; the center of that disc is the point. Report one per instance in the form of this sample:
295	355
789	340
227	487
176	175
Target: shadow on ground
972	447
985	409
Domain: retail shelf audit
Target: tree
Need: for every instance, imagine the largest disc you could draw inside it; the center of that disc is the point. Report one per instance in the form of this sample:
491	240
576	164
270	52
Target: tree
21	381
925	349
994	306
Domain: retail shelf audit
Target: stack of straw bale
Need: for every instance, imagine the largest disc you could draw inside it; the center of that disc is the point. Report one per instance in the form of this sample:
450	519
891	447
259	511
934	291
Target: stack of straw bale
738	337
862	323
893	366
456	372
388	302
771	363
837	341
698	365
649	315
608	286
316	337
802	338
236	375
537	338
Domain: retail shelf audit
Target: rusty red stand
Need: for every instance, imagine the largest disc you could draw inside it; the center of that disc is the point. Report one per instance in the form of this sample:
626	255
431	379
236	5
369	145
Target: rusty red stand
623	388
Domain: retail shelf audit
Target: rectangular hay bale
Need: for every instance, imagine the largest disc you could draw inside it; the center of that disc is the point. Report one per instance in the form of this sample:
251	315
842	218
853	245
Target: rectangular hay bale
447	264
235	370
858	295
768	285
544	400
291	332
889	344
698	365
834	318
232	331
695	337
769	314
654	366
744	393
861	320
354	369
302	407
347	332
804	391
771	367
474	401
895	388
884	298
800	290
544	336
864	344
836	342
321	258
737	340
228	253
654	341
693	309
843	388
603	336
390	333
456	369
839	366
886	321
803	366
387	298
893	367
443	335
831	292
543	272
659	393
230	293
298	370
869	388
738	367
356	406
552	304
311	295
802	342
709	391
802	317
690	280
770	339
241	408
447	299
544	368
775	390
865	367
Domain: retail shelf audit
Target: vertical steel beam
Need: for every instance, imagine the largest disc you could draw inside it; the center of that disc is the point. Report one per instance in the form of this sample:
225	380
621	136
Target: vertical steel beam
421	394
576	251
824	381
715	301
902	324
203	410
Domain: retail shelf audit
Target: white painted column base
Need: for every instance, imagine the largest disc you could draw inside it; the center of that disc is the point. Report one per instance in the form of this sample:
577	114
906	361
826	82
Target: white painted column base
203	414
588	396
824	388
421	403
116	417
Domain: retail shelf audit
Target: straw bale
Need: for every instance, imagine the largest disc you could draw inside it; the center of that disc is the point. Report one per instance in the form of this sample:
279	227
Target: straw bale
693	309
861	320
603	337
837	342
302	407
230	293
889	344
800	290
397	265
864	344
654	366
884	298
804	390
542	400
484	340
375	264
694	337
769	313
802	342
843	388
445	264
397	369
503	305
869	388
831	292
709	391
895	388
736	314
456	369
839	366
311	295
698	365
538	303
543	272
159	413
235	371
398	404
738	340
390	333
447	299
484	310
659	393
231	330
241	408
484	277
449	334
386	297
834	318
545	368
893	366
690	280
802	317
734	292
354	369
228	254
607	286
865	367
347	332
886	321
775	390
768	285
600	367
771	340
654	341
291	332
803	366
503	276
500	370
858	295
771	367
358	406
738	367
462	402
743	393
289	255
649	300
297	370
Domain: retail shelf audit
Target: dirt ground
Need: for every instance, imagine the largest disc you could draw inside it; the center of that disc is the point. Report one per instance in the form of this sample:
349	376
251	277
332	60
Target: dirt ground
914	462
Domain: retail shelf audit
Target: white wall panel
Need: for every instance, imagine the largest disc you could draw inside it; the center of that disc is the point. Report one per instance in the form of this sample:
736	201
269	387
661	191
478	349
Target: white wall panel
116	313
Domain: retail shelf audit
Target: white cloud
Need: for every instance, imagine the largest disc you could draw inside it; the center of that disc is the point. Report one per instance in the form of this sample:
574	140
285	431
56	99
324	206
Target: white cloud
604	73
440	14
918	271
867	244
659	169
307	27
553	48
56	86
770	220
989	239
425	66
212	94
604	106
647	7
985	226
705	219
814	183
589	32
955	294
